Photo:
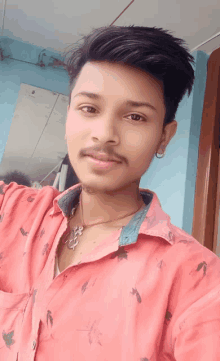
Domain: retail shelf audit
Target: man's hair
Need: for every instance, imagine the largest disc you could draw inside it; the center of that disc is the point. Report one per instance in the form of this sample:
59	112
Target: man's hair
18	177
153	50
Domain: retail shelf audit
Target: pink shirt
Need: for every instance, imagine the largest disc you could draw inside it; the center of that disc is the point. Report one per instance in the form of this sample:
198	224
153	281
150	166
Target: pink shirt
149	292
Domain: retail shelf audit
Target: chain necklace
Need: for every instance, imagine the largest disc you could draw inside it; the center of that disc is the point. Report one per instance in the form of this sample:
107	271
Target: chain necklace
78	230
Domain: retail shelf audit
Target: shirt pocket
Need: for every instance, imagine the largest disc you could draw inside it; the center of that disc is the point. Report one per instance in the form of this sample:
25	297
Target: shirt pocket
12	307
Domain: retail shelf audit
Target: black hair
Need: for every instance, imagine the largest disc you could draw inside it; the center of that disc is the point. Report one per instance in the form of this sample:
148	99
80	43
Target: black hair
18	177
153	50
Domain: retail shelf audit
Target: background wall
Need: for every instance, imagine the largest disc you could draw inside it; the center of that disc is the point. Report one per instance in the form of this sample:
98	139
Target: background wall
172	177
40	145
24	70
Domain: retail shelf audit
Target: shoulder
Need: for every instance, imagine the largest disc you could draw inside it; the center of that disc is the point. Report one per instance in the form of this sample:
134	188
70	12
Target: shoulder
14	195
188	255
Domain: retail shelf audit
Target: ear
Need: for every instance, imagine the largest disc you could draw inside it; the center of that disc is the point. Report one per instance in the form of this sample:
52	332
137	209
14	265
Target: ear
168	133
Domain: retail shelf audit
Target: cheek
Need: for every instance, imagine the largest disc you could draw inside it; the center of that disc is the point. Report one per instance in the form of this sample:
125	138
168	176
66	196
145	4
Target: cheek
74	127
141	144
70	125
134	138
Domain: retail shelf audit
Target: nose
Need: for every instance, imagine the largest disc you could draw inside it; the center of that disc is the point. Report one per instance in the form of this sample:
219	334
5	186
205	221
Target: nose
105	131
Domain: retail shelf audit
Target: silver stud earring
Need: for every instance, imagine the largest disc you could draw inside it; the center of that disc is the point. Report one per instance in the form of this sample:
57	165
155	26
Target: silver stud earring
161	155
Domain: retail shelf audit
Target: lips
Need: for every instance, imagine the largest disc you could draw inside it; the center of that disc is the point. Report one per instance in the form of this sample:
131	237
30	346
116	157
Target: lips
103	157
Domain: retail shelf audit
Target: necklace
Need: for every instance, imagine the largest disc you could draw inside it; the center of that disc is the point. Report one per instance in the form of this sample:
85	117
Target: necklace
78	230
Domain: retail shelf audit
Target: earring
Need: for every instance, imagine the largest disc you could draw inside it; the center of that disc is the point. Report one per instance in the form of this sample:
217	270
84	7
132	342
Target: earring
161	155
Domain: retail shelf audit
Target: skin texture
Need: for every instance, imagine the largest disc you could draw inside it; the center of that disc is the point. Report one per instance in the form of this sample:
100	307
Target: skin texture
133	134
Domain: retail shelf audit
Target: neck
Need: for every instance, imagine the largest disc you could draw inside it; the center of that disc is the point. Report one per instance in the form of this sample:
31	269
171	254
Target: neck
110	205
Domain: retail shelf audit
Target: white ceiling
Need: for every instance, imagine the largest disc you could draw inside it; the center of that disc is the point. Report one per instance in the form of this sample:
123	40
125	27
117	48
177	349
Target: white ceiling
56	24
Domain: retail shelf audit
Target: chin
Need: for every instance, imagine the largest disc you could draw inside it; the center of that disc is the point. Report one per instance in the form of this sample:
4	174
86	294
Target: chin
109	187
94	188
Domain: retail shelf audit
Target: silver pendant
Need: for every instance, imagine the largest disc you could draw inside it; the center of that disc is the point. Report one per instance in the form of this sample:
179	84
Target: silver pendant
72	243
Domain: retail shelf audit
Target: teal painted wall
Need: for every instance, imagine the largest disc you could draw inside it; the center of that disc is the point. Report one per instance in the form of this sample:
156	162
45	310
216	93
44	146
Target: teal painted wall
172	177
13	73
194	135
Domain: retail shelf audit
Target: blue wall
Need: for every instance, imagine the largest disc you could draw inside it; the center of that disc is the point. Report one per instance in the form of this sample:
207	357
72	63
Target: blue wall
172	177
194	135
13	73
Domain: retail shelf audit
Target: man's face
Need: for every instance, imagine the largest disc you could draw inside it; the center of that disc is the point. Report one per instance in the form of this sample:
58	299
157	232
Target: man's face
130	133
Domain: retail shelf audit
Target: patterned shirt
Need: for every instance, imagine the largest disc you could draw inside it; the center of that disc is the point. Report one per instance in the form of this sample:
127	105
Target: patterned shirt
148	292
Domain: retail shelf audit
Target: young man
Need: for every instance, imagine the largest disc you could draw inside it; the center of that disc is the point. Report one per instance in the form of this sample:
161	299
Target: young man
99	272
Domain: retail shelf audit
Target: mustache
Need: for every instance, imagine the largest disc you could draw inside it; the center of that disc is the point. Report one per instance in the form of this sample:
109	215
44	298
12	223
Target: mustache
108	151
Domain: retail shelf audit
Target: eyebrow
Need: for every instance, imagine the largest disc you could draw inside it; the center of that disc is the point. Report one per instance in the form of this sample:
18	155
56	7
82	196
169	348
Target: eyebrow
128	102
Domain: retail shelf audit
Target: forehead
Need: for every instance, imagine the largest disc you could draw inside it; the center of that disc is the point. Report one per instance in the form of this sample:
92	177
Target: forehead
118	72
116	79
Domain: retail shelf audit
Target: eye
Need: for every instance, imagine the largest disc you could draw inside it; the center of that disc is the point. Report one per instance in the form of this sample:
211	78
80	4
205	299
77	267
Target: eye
137	120
88	107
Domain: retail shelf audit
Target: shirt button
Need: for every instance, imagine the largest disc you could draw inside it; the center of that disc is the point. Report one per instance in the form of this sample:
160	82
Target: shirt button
171	236
34	345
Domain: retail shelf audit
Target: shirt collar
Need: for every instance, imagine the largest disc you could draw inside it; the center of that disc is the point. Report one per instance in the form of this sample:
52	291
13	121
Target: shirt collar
151	220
